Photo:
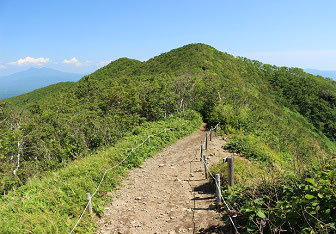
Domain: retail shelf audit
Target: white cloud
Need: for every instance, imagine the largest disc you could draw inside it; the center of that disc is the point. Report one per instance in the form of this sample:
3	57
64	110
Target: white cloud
30	60
2	66
74	61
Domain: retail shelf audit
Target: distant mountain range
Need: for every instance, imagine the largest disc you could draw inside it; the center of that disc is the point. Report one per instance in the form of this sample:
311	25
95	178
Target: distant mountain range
31	79
328	74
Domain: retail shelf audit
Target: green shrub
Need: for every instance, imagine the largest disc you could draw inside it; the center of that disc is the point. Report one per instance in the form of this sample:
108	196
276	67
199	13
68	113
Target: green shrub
52	202
247	173
278	117
251	147
291	204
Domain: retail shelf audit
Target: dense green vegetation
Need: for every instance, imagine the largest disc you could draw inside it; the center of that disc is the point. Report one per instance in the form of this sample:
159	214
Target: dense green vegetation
53	203
288	204
279	119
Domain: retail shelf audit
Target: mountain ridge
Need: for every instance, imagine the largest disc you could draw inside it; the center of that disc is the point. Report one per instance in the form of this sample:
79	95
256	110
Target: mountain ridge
280	119
31	79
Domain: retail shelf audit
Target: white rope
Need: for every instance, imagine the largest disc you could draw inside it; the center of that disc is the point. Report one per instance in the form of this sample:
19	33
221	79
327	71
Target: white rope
222	198
218	187
80	217
107	170
122	161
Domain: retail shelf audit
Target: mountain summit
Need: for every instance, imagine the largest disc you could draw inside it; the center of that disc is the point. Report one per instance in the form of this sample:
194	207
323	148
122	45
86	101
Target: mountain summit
280	122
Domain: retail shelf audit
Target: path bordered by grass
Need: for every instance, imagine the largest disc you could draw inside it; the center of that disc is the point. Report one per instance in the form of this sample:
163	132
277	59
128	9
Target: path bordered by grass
52	204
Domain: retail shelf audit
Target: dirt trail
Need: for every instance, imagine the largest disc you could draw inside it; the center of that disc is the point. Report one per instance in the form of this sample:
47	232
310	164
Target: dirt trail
168	193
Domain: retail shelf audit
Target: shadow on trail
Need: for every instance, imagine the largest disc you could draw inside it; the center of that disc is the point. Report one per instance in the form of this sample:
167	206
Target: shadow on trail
222	228
203	198
214	229
206	188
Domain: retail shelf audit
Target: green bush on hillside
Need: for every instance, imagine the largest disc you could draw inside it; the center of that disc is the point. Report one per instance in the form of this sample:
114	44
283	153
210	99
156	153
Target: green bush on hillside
61	123
252	148
289	204
53	203
278	115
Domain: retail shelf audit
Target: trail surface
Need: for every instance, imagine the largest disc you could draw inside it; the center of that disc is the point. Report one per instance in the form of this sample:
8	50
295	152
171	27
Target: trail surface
168	193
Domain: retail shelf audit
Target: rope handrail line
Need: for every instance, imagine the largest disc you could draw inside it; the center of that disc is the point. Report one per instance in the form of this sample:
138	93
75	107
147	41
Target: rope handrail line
124	159
80	217
107	170
218	187
222	198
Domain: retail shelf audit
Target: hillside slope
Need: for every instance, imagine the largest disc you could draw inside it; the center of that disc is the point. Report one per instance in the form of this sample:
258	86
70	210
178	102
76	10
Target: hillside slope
264	99
53	202
279	117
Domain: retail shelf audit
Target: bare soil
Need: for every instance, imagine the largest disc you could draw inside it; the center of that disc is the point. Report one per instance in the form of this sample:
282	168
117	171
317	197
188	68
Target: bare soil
168	193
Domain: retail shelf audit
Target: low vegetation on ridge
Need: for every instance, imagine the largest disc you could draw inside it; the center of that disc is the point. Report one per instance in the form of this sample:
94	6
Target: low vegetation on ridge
281	121
53	203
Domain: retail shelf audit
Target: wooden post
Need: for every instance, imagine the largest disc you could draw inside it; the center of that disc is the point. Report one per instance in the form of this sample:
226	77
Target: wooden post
206	142
201	151
230	162
205	166
210	134
216	133
218	190
88	198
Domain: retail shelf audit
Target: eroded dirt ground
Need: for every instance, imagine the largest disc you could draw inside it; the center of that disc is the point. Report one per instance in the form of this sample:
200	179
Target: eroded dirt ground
168	193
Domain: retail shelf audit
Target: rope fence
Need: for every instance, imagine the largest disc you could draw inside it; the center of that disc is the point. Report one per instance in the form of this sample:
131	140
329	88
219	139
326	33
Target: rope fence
88	205
231	212
208	137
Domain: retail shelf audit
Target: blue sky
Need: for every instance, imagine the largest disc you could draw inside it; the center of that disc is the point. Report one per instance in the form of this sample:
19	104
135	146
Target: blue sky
81	36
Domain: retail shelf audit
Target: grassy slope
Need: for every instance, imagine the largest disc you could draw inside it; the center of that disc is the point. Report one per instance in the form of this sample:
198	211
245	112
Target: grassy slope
52	204
271	113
